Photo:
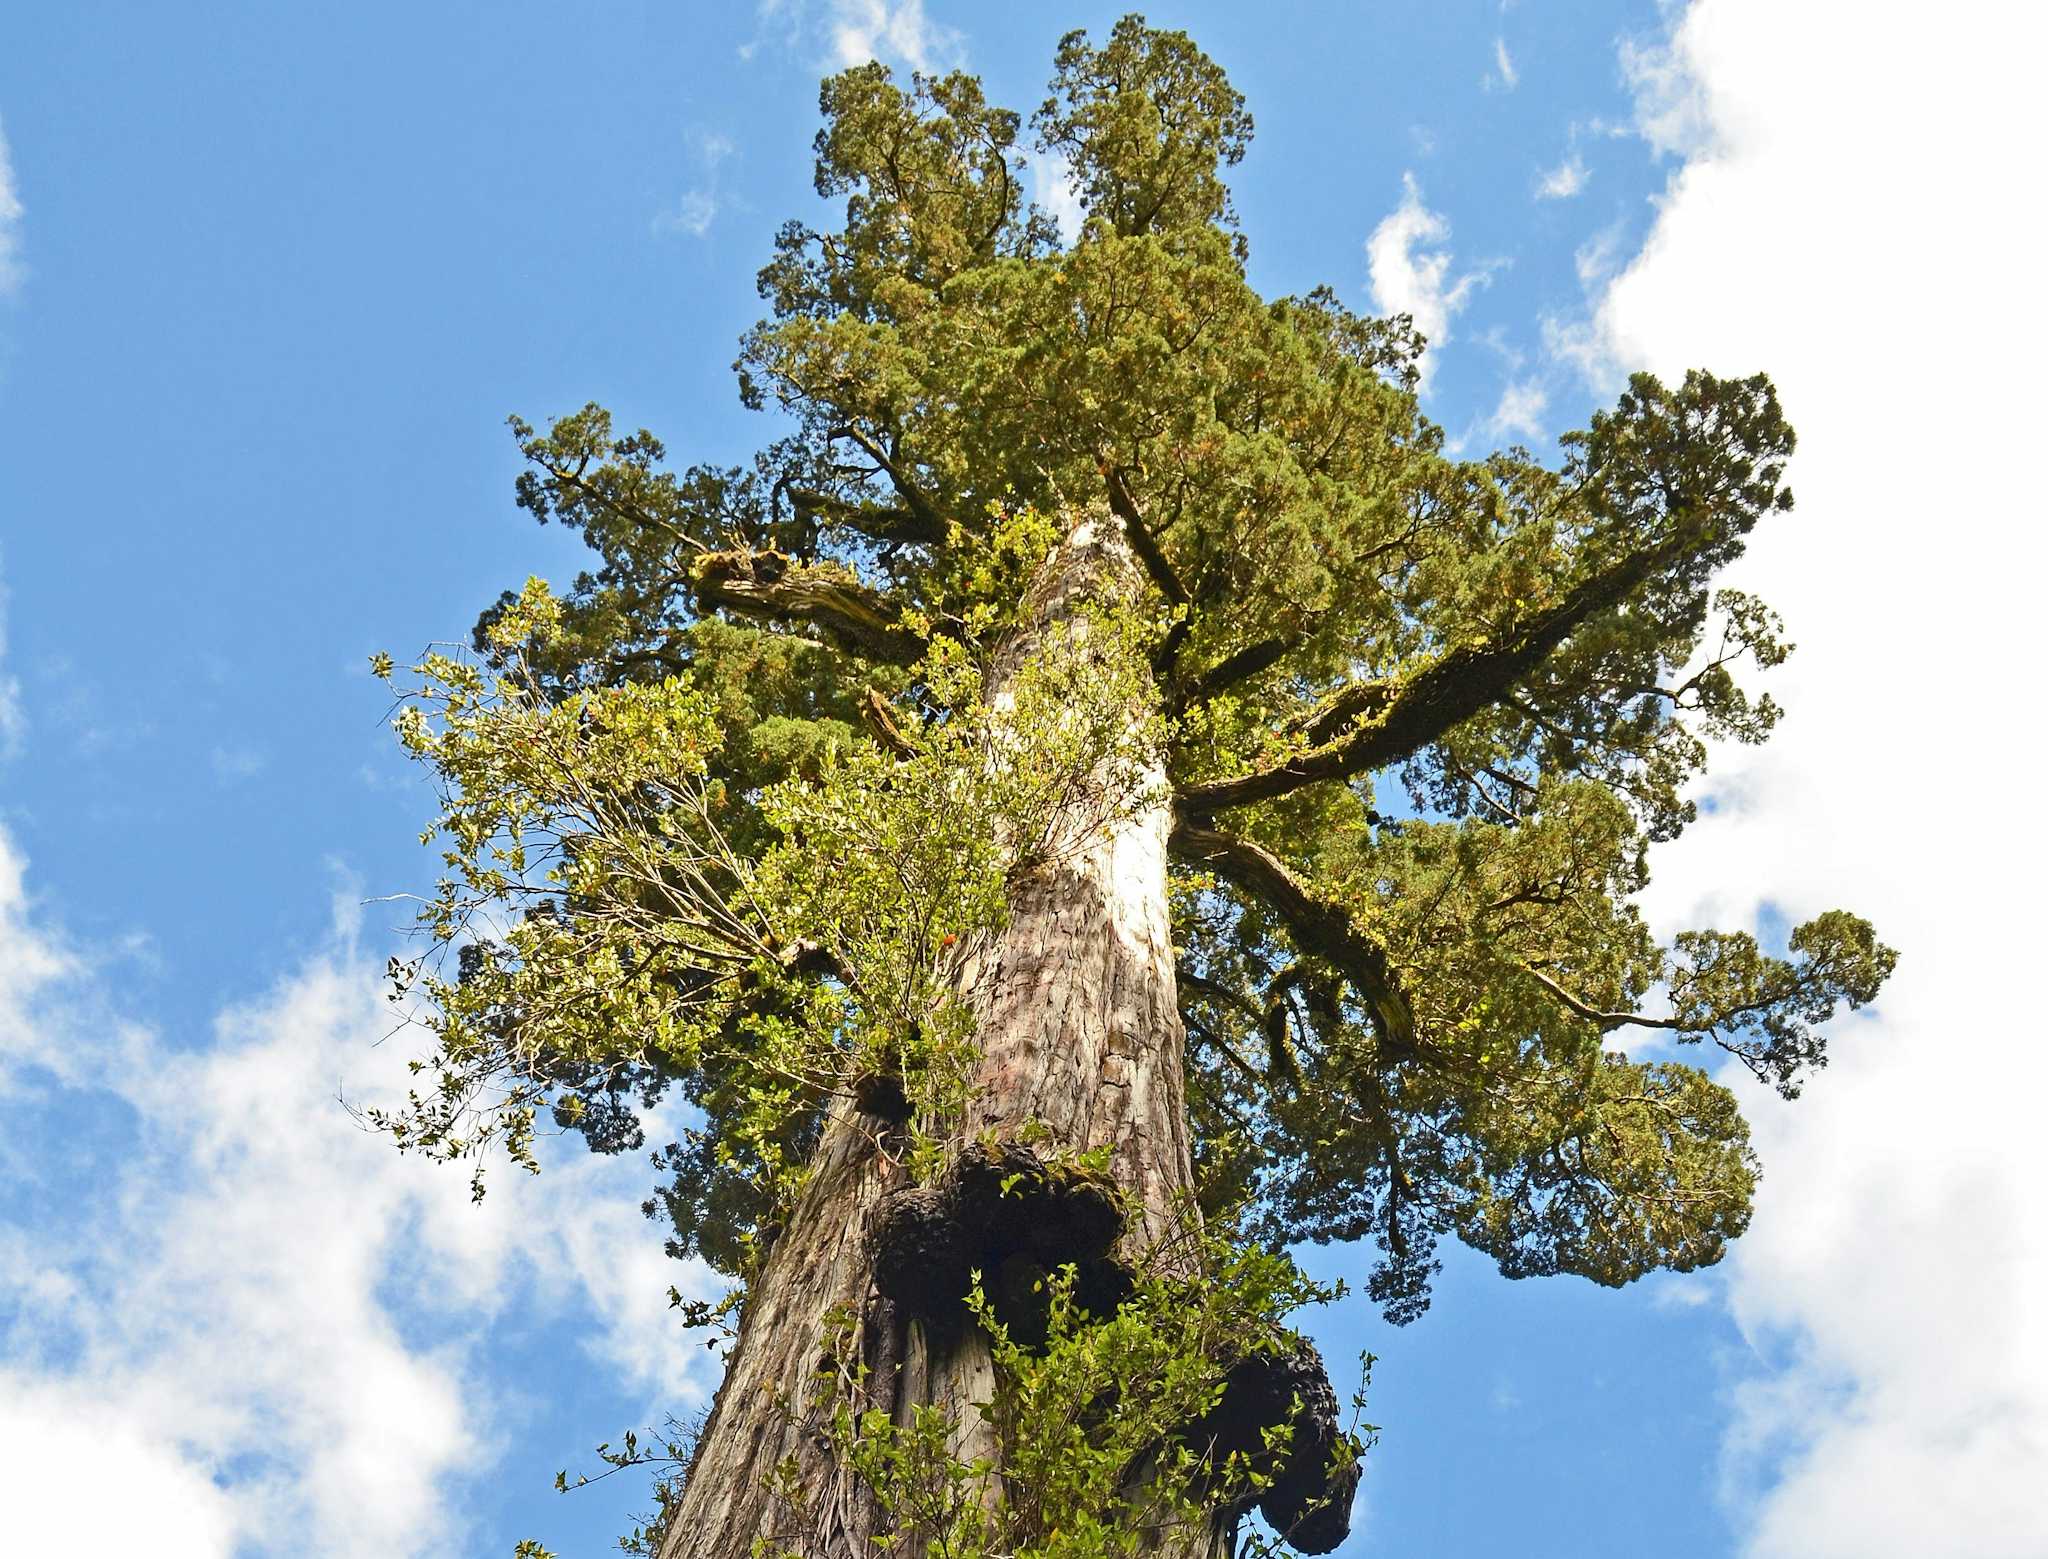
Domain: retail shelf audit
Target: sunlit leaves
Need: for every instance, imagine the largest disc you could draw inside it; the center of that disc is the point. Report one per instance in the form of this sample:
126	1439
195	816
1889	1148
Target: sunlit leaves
697	865
1146	122
605	928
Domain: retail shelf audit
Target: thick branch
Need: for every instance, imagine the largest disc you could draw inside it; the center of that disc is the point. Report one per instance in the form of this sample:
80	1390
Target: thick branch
1415	710
1125	508
1231	670
1146	546
1283	1062
882	721
876	521
1329	719
770	585
1320	930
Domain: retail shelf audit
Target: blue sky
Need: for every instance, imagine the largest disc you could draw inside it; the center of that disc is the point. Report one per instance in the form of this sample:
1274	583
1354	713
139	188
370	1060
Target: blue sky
271	278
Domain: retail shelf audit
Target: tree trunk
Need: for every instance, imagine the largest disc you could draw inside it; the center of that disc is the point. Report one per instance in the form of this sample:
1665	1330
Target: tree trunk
1081	1039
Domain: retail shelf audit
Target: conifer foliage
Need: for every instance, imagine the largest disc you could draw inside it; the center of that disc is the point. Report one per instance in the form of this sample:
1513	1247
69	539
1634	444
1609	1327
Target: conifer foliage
739	815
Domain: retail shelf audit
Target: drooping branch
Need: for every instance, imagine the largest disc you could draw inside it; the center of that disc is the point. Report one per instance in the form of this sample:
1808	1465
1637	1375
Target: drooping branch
1319	929
1157	569
1190	982
1415	710
771	585
1143	542
1764	1011
603	494
1187	978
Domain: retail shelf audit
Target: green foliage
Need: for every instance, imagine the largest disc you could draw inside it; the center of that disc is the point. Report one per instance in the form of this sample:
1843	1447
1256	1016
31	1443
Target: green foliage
602	919
1144	122
1092	1446
719	816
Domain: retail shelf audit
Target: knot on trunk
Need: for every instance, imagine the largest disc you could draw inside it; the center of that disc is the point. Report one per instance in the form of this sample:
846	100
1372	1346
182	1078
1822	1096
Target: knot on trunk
1005	1212
1308	1501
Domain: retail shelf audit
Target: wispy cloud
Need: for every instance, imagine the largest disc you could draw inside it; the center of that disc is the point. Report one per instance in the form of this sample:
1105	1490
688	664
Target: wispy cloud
1411	273
698	207
1595	260
1563	181
236	761
852	32
1520	411
1052	189
1503	77
1577	338
11	213
13	723
1670	100
692	214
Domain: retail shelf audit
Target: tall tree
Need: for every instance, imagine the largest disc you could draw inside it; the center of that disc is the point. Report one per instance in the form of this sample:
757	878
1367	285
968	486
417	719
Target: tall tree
1104	796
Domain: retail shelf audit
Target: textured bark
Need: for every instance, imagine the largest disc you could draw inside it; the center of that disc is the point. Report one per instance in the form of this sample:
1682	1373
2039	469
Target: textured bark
1081	1039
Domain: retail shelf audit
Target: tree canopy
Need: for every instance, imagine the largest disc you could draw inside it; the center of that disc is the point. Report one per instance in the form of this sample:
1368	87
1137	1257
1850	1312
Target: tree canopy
715	813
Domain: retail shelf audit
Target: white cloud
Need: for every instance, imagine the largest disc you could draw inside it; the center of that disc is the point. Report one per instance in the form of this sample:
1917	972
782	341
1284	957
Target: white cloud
1575	338
1595	260
1563	181
31	960
1052	189
693	214
895	33
63	1452
11	212
1520	412
1878	265
1503	76
1670	110
1411	273
274	1327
